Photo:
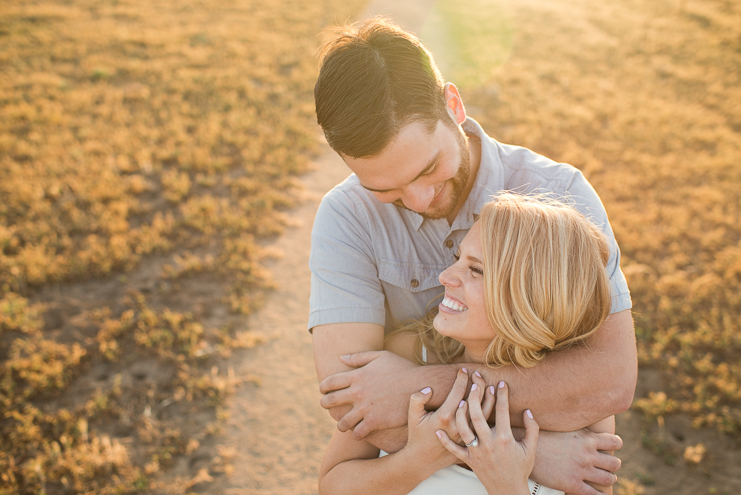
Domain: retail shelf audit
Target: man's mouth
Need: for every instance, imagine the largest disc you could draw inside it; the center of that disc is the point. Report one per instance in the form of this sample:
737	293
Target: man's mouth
454	305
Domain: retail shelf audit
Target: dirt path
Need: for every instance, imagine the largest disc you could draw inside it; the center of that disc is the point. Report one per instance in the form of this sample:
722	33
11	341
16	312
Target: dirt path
277	429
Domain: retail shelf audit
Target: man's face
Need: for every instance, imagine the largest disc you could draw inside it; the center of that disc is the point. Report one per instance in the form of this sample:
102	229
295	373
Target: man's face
421	171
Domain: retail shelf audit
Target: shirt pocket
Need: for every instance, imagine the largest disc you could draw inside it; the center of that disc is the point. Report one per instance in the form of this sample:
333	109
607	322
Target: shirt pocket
408	276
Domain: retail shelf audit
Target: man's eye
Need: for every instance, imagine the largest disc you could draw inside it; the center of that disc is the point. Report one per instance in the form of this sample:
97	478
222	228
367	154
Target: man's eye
432	171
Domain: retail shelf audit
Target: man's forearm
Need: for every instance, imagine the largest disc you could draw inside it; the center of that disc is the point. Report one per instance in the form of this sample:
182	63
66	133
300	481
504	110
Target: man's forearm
569	390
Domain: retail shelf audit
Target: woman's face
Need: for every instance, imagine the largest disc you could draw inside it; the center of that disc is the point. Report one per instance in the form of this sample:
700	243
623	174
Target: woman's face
462	313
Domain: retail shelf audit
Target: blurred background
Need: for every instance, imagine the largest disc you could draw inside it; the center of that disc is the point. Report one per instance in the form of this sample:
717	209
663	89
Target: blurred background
152	154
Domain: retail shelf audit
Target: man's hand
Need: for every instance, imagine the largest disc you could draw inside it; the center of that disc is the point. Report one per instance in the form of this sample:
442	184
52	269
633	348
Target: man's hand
566	461
375	390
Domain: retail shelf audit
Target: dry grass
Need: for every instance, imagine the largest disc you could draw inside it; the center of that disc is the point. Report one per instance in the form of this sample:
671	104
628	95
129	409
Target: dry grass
645	98
134	131
162	138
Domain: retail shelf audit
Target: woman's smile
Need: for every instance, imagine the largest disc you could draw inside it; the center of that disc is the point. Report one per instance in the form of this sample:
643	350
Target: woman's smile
451	305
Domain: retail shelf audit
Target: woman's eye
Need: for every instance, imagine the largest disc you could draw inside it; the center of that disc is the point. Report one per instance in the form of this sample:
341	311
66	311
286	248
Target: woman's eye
476	270
457	257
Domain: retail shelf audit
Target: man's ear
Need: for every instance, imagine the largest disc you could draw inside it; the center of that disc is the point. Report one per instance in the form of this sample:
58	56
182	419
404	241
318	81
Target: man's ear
454	103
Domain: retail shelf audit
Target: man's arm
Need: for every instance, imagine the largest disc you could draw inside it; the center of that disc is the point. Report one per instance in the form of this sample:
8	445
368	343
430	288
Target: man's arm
333	341
569	390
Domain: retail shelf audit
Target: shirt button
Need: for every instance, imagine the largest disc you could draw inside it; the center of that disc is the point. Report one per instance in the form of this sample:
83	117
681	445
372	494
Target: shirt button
449	243
415	282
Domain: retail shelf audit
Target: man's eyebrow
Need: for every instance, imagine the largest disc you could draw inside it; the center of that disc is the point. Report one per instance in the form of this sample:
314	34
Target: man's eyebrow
426	170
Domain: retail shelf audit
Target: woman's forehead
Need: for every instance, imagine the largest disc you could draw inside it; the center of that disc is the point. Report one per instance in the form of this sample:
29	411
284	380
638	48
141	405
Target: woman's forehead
472	241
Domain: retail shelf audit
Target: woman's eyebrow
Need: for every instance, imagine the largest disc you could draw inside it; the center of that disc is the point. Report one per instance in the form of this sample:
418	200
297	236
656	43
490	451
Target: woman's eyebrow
474	259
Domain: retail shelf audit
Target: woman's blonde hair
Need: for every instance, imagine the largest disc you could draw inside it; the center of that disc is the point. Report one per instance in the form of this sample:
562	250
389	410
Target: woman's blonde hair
545	282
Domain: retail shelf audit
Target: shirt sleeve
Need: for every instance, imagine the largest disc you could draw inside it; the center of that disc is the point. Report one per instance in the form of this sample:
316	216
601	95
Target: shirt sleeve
344	277
587	201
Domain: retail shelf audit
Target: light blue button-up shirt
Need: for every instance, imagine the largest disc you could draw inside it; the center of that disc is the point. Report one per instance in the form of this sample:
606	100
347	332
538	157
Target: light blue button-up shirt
373	262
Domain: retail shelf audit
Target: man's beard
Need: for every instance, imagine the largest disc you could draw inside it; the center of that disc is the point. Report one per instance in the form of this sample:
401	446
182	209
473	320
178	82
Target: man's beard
458	183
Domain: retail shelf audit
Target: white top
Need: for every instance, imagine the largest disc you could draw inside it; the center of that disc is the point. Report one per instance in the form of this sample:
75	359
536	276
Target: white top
456	479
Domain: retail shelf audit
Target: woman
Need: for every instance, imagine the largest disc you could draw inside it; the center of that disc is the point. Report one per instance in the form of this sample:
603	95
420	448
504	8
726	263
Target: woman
529	279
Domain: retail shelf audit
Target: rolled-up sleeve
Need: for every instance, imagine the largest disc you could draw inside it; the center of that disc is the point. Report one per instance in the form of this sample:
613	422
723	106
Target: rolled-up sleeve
344	277
589	204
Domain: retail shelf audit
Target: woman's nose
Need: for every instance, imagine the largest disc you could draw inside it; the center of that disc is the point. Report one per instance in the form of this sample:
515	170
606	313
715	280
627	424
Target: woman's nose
448	277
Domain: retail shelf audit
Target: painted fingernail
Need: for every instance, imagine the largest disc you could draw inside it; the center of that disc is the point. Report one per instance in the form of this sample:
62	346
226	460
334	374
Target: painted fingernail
529	414
461	403
464	370
426	390
473	387
491	389
439	435
501	384
477	374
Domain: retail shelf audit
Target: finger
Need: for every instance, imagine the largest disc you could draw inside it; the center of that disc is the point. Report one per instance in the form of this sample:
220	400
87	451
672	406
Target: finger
455	449
502	411
359	358
361	430
601	477
608	441
349	420
488	405
461	423
337	398
417	405
338	381
608	462
531	431
456	394
480	385
477	415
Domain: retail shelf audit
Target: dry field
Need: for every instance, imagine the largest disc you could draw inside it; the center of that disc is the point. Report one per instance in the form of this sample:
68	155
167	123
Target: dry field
645	98
147	150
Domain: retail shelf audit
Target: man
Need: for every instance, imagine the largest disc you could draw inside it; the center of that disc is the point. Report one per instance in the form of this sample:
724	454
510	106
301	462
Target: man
422	170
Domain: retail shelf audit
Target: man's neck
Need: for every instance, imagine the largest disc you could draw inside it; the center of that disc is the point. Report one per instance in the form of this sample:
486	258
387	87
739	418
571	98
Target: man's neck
474	154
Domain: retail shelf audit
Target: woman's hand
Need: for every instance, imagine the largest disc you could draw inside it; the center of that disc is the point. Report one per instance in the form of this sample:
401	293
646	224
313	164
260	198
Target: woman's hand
422	445
499	461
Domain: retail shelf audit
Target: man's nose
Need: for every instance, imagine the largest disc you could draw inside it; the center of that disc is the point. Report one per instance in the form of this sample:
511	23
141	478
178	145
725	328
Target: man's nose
417	197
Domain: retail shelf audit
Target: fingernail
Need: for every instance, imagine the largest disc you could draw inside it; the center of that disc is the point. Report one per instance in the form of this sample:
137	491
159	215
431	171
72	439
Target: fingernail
477	374
464	370
473	387
529	414
439	435
491	389
345	356
426	390
461	404
501	384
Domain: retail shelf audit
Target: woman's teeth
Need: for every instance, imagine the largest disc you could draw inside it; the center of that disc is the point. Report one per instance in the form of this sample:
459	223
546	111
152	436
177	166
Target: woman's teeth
449	303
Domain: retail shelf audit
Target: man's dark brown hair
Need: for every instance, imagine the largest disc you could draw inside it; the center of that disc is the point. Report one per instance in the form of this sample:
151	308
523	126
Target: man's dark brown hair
374	79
